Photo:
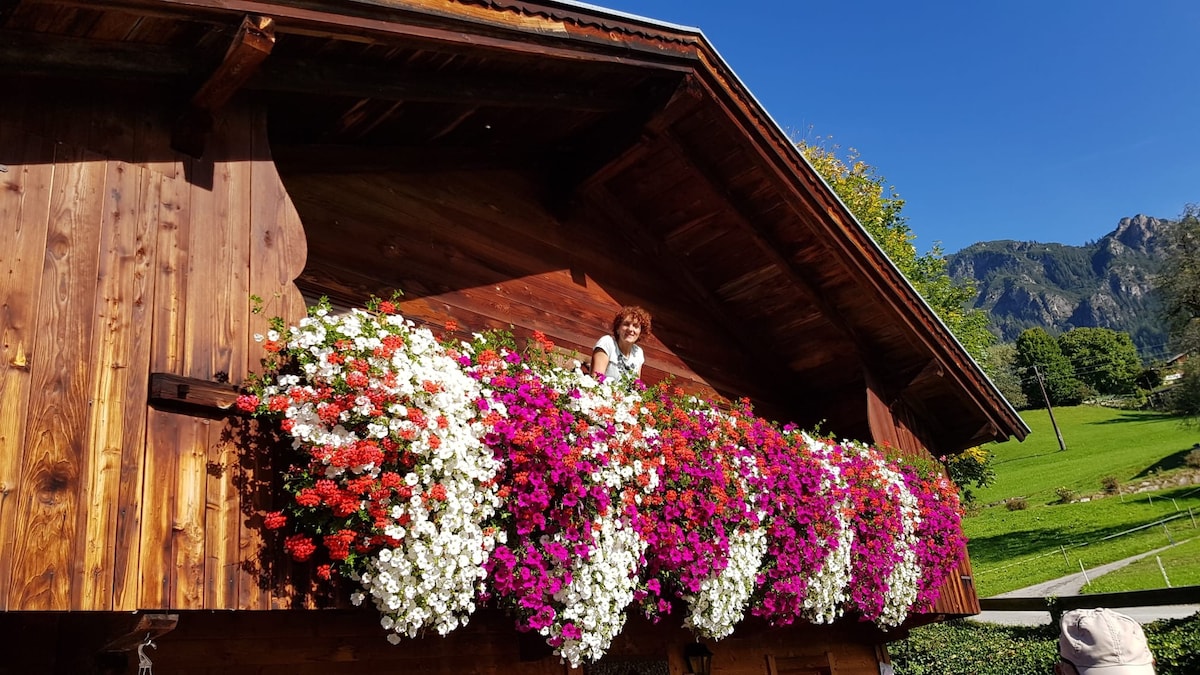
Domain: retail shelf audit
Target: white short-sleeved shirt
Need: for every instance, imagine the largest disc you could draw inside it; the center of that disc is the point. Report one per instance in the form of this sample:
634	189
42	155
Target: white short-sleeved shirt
620	365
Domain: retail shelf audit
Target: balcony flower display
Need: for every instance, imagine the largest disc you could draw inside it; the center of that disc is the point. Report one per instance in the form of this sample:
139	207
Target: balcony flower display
442	475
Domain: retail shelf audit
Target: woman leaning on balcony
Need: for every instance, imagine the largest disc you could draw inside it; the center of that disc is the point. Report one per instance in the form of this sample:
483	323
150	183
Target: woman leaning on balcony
617	355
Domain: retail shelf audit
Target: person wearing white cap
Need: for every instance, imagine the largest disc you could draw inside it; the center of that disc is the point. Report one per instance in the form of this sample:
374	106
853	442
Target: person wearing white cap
1102	642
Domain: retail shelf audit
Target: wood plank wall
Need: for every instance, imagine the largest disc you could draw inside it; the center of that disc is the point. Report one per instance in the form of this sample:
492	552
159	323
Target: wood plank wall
119	258
483	249
334	642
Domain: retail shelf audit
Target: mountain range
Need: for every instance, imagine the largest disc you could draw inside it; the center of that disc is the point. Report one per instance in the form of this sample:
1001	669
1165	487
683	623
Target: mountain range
1108	283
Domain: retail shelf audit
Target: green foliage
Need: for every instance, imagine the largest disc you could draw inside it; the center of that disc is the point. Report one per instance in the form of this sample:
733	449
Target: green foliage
1104	359
970	648
1173	644
971	467
1184	398
1038	352
1111	484
878	208
1000	364
1179	280
966	648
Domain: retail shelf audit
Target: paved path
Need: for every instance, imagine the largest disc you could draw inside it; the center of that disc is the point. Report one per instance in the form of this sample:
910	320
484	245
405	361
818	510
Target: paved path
1071	585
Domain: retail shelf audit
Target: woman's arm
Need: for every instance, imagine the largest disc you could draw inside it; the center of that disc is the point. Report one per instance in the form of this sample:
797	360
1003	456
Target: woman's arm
599	361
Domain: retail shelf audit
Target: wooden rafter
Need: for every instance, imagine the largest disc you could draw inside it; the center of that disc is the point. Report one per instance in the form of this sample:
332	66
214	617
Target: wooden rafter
296	159
855	247
611	160
253	42
699	295
765	246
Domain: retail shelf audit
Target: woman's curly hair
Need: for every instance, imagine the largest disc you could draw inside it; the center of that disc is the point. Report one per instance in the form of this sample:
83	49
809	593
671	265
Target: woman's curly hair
632	312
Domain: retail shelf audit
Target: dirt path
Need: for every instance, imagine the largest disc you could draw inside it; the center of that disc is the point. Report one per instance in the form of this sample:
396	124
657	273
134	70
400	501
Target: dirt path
1071	585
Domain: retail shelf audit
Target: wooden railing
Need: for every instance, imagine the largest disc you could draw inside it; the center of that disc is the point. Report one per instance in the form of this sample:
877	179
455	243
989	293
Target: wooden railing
1185	595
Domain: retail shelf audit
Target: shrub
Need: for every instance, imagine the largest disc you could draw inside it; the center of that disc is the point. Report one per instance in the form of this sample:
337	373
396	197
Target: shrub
1173	643
1065	495
1016	504
1192	459
1111	484
968	648
960	648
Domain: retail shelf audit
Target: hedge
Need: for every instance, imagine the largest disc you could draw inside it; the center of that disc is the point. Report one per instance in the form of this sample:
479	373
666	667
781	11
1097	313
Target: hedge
970	648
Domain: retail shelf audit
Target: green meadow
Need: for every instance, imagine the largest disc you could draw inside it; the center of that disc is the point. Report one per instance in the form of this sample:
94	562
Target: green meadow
1142	452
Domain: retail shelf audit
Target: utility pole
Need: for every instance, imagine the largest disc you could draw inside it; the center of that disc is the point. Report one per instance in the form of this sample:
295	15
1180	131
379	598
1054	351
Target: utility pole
1042	386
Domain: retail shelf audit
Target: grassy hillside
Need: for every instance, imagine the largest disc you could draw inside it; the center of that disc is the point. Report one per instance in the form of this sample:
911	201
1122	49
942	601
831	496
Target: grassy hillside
1141	451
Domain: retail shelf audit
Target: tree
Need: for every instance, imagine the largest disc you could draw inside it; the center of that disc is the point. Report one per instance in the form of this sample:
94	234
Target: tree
1179	284
1037	352
1104	359
879	209
1179	281
1000	363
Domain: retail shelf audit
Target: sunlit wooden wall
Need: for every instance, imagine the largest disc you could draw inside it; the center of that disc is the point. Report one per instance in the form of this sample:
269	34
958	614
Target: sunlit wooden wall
119	258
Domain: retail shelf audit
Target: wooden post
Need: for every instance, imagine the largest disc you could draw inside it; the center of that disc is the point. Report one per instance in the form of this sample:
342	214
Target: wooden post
1053	423
1163	570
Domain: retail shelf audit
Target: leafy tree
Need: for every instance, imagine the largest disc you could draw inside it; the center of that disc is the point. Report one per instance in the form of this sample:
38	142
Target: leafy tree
1036	349
1179	281
1000	363
1179	285
878	208
1184	398
1104	359
971	467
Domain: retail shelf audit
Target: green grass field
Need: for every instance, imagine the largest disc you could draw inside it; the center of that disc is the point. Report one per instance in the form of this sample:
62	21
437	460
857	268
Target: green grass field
1181	562
1013	549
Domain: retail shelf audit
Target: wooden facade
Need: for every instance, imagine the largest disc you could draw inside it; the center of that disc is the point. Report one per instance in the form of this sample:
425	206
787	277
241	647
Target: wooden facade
503	164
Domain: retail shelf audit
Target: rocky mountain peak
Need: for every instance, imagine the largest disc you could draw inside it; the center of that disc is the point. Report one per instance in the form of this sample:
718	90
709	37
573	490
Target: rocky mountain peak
1142	233
1105	284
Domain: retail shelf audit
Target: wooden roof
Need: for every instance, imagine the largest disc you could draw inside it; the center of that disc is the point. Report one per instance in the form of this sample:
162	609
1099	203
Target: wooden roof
639	121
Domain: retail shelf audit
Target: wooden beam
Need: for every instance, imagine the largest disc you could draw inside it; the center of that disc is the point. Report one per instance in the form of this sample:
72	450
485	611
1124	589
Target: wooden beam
392	84
253	42
144	627
609	161
45	55
1185	595
438	28
67	57
296	159
188	394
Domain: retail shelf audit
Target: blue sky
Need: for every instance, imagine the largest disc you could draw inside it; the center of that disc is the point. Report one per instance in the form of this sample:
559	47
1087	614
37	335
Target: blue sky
1045	120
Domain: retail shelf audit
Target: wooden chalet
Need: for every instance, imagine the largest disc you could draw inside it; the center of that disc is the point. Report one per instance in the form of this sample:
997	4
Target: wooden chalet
503	163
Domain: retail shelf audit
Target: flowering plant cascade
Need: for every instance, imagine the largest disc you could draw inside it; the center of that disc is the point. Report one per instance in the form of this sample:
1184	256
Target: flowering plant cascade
440	475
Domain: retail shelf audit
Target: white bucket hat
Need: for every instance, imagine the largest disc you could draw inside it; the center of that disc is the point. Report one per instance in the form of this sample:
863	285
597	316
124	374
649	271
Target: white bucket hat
1103	642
